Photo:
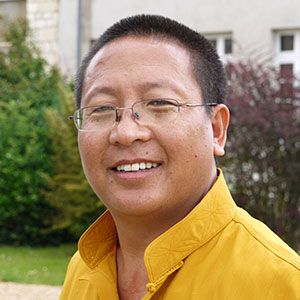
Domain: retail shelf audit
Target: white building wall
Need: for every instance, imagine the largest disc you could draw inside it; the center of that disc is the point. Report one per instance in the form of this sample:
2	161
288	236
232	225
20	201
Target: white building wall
251	23
67	32
43	21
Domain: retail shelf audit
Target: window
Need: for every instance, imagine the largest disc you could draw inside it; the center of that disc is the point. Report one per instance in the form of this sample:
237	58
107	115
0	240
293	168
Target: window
287	70
286	42
287	51
228	46
286	85
222	43
9	10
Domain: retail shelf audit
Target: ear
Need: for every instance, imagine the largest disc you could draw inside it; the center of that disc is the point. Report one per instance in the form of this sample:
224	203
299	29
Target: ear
220	122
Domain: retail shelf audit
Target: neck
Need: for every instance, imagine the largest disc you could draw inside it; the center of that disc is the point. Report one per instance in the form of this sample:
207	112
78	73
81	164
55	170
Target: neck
136	232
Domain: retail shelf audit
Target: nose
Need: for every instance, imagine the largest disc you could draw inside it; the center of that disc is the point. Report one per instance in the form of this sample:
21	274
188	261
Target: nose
127	130
119	110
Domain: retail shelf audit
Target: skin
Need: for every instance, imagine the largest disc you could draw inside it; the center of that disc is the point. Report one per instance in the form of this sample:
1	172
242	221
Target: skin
144	204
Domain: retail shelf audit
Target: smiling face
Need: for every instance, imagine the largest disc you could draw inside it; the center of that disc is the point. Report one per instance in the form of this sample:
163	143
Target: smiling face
159	168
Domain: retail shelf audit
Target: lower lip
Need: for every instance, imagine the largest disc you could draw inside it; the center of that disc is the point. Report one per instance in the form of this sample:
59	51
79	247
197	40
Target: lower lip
135	174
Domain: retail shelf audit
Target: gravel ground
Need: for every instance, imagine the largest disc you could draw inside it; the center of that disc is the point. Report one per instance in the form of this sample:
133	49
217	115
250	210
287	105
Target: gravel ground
20	291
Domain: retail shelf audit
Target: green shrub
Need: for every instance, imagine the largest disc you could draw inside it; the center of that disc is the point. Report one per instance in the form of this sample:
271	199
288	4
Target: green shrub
71	195
44	196
26	90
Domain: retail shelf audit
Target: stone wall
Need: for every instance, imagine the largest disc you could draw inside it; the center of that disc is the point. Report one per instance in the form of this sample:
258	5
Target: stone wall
9	11
43	17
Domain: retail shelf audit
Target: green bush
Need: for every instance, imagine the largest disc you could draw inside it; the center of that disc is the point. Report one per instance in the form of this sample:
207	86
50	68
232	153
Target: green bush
27	89
44	196
71	195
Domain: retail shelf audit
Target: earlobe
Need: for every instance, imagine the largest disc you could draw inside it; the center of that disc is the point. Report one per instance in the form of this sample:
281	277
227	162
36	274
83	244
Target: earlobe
220	121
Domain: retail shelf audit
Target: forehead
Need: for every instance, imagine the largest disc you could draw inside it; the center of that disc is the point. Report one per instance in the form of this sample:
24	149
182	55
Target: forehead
139	45
127	52
139	64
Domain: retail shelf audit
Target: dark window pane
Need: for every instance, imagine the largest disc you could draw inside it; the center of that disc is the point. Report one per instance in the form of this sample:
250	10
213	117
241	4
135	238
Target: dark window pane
228	46
213	42
287	42
286	86
286	70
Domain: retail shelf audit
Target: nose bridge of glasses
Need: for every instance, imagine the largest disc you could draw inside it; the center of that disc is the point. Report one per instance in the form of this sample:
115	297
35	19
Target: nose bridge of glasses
119	109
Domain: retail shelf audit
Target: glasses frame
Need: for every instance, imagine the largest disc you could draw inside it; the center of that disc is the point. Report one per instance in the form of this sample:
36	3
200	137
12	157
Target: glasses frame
135	114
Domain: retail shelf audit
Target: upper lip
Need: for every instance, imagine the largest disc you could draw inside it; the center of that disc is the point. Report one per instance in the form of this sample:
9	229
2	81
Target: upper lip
133	161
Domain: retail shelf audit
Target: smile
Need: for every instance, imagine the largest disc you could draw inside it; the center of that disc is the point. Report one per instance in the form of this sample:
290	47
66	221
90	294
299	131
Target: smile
136	166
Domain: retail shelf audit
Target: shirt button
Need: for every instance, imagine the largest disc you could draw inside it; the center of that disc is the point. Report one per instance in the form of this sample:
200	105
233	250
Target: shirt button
151	287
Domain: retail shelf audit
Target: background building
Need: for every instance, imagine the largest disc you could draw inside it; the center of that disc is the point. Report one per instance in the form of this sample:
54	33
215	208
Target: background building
259	29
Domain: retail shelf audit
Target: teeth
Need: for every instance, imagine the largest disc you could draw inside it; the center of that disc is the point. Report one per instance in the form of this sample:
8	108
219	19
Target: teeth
136	166
127	168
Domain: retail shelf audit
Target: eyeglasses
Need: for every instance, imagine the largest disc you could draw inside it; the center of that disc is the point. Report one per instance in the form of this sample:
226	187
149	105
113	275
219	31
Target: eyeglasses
145	112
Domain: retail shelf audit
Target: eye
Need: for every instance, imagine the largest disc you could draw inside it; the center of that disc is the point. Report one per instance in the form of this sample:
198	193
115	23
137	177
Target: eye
161	103
101	109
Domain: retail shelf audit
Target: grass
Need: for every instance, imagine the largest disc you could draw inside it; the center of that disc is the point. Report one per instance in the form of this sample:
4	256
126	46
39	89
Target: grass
35	265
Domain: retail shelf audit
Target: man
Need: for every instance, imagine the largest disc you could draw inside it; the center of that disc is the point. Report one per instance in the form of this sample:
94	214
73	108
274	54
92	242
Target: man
151	119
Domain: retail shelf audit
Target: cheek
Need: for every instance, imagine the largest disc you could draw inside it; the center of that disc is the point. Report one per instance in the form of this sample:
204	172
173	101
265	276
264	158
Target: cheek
192	143
84	144
90	149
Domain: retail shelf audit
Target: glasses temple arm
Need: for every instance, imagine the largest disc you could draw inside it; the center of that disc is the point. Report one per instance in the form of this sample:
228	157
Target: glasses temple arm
194	105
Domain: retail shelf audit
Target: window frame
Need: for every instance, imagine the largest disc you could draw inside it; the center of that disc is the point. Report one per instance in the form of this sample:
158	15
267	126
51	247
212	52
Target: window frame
220	44
283	57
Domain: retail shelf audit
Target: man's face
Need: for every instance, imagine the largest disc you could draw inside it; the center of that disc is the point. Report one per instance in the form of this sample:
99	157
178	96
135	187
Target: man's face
122	73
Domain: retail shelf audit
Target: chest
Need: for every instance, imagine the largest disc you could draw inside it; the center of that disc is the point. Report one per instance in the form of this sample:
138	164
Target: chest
132	287
128	293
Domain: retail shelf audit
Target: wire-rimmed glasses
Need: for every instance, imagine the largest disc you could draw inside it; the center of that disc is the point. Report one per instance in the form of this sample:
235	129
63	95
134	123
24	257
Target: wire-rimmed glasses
145	112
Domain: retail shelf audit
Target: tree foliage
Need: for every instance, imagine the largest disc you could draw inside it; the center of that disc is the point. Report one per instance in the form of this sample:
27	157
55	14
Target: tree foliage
26	90
44	196
71	195
263	155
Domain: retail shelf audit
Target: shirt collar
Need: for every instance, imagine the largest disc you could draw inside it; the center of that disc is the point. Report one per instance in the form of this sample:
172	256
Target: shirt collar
167	252
98	240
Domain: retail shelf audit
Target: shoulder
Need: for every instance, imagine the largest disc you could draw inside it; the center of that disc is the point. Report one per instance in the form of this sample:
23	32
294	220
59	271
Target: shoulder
76	266
245	259
74	287
265	241
267	258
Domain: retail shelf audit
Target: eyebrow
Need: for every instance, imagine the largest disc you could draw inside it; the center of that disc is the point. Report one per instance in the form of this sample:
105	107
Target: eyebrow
143	87
163	84
99	90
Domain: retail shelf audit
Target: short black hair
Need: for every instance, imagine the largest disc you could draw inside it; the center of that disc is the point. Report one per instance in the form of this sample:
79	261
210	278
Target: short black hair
206	66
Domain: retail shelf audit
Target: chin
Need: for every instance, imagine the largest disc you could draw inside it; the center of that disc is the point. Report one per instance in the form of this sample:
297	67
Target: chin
132	206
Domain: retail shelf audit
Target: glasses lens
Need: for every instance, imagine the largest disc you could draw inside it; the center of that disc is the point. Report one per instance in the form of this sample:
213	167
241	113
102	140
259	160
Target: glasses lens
95	117
78	119
156	110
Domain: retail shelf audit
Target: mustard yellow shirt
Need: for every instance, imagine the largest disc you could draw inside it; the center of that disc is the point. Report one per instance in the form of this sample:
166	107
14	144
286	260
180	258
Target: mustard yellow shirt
218	251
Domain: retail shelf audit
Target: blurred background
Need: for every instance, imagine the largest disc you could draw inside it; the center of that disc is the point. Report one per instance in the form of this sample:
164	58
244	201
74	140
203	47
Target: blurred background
45	201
